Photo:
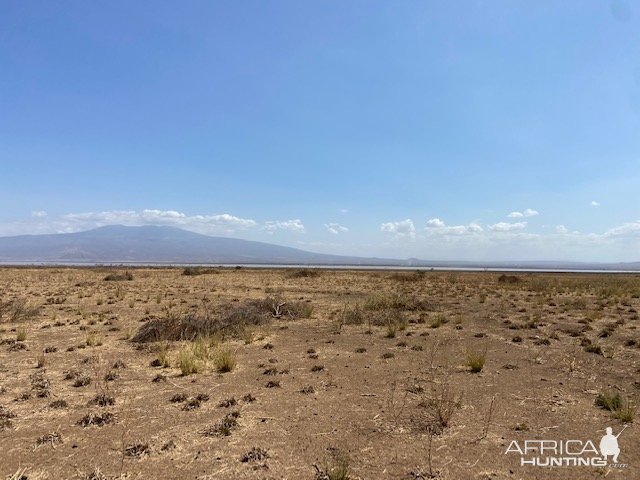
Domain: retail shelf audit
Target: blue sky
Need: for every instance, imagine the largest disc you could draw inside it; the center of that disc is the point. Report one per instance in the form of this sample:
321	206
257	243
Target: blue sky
439	130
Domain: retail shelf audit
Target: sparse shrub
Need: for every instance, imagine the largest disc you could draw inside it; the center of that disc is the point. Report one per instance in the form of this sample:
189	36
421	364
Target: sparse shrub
178	397
593	349
256	454
304	273
187	362
93	339
440	405
336	467
52	438
195	271
228	402
626	412
248	398
137	449
224	359
223	427
273	384
119	364
41	361
21	334
438	320
18	309
82	381
119	277
162	358
40	384
352	316
231	321
192	403
609	401
475	360
307	390
317	368
6	417
97	419
102	400
508	279
392	329
61	403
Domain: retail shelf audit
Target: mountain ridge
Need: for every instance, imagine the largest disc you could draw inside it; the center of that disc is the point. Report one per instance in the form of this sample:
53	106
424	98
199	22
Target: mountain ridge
166	244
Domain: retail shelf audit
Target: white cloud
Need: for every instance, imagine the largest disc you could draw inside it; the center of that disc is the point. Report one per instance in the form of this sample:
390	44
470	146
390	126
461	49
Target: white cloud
562	230
437	226
629	229
401	229
294	225
594	203
39	213
529	212
335	228
343	210
219	223
507	227
435	223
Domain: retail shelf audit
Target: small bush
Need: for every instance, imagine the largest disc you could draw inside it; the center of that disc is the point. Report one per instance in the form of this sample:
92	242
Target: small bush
336	467
97	419
119	277
224	359
223	427
194	271
21	334
162	358
593	349
475	360
256	454
609	401
304	273
187	362
137	449
93	339
438	320
626	412
508	279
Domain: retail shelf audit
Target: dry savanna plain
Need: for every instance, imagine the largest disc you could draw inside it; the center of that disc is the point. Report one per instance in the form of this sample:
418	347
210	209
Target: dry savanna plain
237	373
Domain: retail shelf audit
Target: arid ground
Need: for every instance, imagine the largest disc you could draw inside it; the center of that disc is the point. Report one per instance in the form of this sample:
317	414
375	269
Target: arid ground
300	374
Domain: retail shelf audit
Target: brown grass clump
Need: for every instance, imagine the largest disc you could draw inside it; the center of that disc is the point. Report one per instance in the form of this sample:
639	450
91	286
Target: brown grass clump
195	271
230	320
224	359
5	418
304	273
18	309
223	427
336	467
119	277
504	278
97	419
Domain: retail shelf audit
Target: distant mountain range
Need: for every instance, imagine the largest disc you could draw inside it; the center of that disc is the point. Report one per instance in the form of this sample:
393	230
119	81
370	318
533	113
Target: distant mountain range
156	244
170	245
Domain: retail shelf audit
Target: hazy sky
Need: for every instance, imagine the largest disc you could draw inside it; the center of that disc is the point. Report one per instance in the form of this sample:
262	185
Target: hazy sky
438	130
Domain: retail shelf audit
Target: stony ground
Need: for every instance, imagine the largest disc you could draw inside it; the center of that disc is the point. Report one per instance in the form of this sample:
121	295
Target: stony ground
333	374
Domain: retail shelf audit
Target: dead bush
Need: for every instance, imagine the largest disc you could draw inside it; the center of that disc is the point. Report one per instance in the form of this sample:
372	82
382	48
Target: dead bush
227	321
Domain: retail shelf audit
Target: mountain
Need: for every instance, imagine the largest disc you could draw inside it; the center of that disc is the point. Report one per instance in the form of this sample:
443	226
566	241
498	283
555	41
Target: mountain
156	244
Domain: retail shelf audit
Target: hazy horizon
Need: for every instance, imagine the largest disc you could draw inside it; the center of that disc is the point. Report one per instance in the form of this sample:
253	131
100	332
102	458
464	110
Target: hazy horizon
468	131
